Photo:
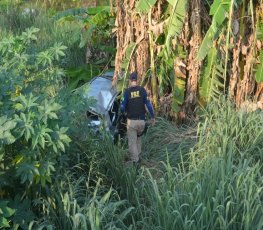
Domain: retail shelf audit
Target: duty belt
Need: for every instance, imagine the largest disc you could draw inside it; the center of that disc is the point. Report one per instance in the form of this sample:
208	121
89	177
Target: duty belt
136	118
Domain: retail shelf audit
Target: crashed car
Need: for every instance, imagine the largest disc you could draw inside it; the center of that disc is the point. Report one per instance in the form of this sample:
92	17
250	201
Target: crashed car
104	111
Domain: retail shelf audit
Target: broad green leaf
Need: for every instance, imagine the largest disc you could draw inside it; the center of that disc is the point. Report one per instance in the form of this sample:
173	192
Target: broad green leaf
218	12
7	45
48	110
176	19
55	148
24	214
57	51
6	125
4	222
9	125
7	138
3	119
178	96
42	142
144	6
100	18
26	171
206	44
19	158
205	80
19	106
259	71
97	9
7	212
259	31
44	58
29	35
61	146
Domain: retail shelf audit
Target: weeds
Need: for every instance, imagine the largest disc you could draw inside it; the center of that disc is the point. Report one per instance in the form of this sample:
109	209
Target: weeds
216	185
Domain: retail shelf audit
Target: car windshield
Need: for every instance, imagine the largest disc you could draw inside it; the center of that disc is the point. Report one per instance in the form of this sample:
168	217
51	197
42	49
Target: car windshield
103	92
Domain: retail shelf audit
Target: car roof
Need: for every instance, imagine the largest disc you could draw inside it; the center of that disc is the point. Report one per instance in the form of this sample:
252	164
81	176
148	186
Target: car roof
100	88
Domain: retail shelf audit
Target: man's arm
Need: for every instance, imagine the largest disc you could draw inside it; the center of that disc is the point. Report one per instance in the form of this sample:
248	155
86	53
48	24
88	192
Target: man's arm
148	104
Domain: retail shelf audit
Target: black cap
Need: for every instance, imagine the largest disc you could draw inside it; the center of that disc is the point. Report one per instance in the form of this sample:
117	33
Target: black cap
133	76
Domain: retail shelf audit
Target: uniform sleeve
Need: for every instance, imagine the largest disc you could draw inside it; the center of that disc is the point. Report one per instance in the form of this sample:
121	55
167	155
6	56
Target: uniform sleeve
148	103
124	102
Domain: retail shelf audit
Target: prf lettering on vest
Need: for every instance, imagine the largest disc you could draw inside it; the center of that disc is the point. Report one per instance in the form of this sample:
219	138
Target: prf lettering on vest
135	94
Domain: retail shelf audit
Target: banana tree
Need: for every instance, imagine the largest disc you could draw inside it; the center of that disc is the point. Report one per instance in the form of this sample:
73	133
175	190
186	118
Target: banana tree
192	51
95	35
154	27
231	50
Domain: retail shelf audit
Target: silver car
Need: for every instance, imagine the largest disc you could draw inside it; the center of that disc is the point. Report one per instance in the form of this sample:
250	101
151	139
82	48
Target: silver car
104	110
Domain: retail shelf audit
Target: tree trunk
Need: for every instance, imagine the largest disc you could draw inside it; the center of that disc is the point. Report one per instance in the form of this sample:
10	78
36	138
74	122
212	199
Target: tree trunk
131	28
193	66
247	88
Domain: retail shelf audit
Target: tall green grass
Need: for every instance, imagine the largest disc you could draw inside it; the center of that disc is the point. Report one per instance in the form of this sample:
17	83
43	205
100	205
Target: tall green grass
73	203
216	185
15	21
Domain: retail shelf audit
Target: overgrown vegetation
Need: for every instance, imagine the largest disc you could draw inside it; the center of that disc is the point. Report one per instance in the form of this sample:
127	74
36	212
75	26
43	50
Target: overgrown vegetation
40	179
217	184
56	174
191	52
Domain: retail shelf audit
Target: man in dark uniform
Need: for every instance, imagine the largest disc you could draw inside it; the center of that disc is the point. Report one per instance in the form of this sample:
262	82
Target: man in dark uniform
134	101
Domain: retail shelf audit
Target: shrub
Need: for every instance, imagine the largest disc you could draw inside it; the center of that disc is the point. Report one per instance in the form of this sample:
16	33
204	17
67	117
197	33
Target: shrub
32	136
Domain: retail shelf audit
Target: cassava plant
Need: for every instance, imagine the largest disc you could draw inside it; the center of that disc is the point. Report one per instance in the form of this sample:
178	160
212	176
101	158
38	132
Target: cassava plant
32	135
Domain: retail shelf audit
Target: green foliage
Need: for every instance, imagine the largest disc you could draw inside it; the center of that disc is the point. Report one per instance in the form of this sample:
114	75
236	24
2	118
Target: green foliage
178	93
15	214
80	205
259	31
176	20
23	212
174	140
94	36
163	64
6	125
214	184
144	5
67	32
206	80
219	10
212	81
5	212
39	117
12	17
177	12
259	72
32	122
81	74
69	14
97	23
98	26
236	134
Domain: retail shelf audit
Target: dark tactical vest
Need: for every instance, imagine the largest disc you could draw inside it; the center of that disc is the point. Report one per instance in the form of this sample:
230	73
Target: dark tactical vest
135	106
